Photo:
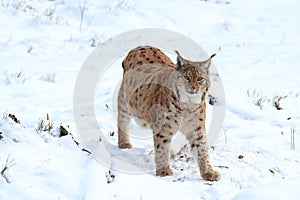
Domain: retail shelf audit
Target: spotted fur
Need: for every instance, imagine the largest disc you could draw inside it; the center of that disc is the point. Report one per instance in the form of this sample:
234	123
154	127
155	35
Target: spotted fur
167	97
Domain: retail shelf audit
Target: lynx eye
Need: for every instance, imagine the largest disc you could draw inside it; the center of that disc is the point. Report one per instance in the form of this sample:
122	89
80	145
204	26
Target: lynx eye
201	80
186	78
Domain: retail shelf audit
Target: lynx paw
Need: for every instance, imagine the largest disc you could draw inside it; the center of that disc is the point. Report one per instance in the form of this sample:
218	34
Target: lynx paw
125	145
212	176
164	172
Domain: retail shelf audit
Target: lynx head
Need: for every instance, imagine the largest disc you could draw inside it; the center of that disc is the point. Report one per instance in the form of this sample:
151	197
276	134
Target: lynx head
193	79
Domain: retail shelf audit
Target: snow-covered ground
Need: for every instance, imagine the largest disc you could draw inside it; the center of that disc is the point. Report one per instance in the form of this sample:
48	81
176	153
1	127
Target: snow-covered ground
43	45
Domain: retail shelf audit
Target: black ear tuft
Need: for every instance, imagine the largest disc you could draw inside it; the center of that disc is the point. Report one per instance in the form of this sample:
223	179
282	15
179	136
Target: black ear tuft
206	64
180	60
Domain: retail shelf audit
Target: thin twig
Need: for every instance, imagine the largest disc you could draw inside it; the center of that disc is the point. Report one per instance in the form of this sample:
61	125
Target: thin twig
293	147
8	164
82	8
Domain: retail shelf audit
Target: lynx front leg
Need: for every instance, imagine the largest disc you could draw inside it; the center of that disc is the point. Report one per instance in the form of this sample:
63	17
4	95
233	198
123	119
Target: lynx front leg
162	153
197	140
162	136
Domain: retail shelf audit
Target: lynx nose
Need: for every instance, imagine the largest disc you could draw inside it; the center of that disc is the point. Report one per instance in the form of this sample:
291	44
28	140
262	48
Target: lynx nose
193	89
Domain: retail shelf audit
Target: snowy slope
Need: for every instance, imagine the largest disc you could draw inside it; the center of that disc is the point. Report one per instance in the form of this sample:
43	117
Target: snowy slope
43	45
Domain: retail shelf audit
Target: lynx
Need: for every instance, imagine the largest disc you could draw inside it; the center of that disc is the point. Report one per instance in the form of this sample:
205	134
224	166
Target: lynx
168	98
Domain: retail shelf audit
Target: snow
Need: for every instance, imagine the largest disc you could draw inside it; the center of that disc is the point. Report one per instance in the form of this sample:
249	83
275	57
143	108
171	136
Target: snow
276	190
43	48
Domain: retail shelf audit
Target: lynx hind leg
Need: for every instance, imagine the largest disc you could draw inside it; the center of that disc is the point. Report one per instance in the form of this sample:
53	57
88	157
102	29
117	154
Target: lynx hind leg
124	119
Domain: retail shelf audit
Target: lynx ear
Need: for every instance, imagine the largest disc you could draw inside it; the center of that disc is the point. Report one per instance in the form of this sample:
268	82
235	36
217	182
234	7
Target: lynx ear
206	64
180	61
